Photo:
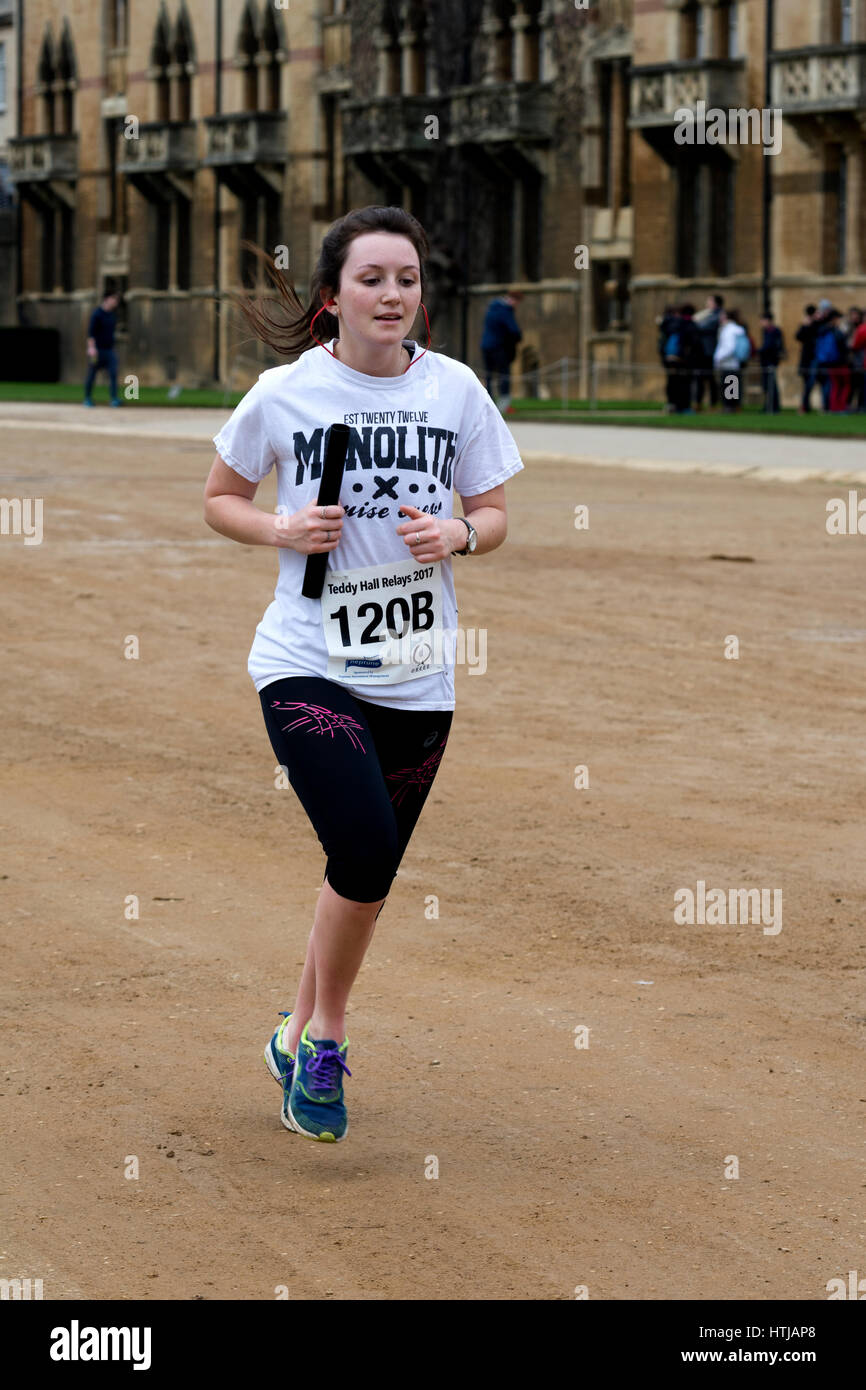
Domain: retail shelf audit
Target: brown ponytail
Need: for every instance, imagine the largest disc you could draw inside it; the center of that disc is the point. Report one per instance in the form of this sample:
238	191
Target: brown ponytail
287	332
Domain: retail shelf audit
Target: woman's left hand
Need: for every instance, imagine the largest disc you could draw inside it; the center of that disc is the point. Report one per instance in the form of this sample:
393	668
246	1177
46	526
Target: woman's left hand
437	538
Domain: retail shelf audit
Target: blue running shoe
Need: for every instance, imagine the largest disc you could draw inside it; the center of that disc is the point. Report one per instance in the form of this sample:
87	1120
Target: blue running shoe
281	1064
315	1104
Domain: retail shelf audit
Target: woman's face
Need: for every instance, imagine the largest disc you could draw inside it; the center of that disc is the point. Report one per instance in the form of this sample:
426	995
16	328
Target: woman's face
380	289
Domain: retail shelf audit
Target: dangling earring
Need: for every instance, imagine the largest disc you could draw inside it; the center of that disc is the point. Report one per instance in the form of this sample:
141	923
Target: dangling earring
312	334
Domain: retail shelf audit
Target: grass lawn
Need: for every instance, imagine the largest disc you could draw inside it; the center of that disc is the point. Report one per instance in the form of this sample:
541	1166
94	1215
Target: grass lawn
535	407
750	419
70	393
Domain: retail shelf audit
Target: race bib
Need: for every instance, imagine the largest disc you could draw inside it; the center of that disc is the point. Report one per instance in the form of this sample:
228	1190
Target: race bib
383	623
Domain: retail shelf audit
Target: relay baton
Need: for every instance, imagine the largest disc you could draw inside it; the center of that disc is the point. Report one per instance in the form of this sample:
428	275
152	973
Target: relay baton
329	496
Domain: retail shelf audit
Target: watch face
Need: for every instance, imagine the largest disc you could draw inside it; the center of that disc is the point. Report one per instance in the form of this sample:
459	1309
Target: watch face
473	537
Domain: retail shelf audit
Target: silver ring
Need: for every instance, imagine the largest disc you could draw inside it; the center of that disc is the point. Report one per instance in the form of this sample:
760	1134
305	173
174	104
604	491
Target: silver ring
417	537
327	535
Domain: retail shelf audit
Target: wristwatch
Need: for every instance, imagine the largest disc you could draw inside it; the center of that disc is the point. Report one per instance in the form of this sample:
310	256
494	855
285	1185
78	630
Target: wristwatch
471	539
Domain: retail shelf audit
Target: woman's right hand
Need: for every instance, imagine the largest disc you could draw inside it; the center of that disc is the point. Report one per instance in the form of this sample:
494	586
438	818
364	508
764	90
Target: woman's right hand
308	531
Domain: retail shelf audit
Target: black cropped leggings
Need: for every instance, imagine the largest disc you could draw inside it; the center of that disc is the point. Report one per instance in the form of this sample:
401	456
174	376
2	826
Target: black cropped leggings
361	771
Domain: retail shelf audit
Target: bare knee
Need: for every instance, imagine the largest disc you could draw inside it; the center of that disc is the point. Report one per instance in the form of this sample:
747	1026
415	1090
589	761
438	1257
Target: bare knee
364	909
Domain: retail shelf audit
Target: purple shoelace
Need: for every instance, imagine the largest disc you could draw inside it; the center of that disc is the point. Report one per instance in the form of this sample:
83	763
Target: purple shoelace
323	1070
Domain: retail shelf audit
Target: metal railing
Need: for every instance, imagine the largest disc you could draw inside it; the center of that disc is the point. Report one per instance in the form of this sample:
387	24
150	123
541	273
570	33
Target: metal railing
596	383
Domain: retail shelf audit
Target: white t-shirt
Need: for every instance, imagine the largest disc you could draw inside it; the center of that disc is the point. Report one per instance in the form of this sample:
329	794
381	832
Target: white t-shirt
413	438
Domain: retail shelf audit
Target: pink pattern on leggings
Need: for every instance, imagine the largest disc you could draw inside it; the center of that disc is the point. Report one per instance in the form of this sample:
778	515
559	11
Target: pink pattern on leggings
420	777
318	720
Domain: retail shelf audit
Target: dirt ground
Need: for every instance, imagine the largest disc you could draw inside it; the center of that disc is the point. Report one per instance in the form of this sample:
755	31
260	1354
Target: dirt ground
608	1166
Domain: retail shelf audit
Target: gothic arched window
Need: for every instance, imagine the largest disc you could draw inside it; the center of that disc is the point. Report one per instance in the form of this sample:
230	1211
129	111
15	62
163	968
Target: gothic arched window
248	47
160	61
47	77
273	53
184	59
118	21
388	40
413	44
501	37
66	79
693	30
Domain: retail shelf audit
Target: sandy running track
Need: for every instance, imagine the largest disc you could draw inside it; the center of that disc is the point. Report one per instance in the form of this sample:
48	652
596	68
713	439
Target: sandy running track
602	1166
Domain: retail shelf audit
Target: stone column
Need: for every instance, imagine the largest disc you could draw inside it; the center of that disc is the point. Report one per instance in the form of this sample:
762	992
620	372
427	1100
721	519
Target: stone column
173	72
494	41
262	61
674	28
432	81
382	43
57	90
521	47
546	61
617	118
41	94
172	243
410	56
855	224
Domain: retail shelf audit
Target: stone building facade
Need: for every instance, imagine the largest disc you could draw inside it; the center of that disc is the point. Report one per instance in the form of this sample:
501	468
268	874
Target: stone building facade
8	115
535	139
783	228
158	134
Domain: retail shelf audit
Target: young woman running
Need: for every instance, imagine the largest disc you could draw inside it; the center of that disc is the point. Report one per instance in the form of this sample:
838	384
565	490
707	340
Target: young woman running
357	688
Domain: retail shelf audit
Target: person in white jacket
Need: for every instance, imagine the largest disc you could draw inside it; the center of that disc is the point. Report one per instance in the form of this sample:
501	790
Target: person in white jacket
726	361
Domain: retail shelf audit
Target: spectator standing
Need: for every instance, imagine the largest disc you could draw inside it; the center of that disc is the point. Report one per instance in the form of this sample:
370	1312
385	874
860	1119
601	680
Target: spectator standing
100	347
732	353
855	360
692	352
858	365
808	369
707	322
499	339
831	351
771	352
666	326
681	349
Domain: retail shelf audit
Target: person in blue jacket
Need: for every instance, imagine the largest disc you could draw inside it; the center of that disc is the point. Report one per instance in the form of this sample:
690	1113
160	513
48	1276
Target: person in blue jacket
499	340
